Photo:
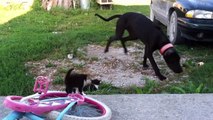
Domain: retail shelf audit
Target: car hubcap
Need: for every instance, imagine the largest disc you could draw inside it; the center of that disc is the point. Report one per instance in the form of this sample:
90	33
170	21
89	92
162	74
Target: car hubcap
172	28
151	15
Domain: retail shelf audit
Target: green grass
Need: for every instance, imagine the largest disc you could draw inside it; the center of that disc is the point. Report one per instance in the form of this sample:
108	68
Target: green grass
32	37
200	77
106	88
39	34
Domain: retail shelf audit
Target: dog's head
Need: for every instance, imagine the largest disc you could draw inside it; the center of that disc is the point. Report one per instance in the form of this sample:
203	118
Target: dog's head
172	60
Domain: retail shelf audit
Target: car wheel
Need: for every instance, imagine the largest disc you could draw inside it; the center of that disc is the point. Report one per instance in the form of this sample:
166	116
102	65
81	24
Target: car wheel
173	31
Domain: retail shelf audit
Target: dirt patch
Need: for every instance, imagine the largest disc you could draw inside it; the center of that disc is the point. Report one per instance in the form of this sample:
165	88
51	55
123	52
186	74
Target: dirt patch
115	67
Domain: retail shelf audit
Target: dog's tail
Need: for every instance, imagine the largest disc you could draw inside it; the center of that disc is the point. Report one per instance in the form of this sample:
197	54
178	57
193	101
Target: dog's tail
108	19
68	74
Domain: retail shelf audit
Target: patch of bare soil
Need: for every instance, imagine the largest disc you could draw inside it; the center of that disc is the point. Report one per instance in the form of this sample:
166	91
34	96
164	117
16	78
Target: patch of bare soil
115	67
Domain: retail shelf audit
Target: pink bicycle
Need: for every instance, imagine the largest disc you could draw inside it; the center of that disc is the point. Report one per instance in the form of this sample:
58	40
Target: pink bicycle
55	105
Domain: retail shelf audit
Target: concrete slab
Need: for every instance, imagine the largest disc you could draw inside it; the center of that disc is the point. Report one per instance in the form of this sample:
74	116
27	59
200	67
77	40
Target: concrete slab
153	106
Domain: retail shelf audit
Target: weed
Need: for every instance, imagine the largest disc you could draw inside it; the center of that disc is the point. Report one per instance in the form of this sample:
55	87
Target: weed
77	53
50	65
106	88
189	64
78	66
58	80
94	58
191	88
63	70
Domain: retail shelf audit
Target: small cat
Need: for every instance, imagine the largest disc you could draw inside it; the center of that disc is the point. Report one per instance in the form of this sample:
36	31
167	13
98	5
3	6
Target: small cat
73	81
92	86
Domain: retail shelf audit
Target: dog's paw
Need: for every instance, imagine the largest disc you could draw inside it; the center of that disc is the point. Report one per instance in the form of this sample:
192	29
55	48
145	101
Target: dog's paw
105	51
162	77
126	51
145	66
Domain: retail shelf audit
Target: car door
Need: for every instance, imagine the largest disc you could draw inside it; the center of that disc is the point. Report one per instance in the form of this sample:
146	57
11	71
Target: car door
161	9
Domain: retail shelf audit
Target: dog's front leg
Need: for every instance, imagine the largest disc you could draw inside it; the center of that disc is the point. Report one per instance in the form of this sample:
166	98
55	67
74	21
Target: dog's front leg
155	67
145	58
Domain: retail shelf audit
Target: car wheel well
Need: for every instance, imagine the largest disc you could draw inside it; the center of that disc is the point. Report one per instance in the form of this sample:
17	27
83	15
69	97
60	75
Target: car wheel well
172	29
171	10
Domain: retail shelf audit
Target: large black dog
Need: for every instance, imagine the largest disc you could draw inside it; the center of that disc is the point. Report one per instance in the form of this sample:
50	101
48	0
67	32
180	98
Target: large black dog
140	27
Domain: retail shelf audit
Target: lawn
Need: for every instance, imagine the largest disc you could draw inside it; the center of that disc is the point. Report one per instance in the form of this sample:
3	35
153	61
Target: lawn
32	37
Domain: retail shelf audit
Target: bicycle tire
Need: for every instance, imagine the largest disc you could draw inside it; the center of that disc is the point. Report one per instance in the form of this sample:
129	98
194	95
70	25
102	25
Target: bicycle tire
106	116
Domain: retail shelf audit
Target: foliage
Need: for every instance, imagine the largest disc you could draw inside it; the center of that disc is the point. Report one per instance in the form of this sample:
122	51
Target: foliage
189	87
58	81
106	88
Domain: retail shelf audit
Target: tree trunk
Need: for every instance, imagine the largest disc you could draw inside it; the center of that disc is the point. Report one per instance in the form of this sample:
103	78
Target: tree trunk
48	4
67	4
60	3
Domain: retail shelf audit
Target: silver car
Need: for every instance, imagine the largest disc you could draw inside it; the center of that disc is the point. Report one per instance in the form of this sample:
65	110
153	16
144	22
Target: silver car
185	19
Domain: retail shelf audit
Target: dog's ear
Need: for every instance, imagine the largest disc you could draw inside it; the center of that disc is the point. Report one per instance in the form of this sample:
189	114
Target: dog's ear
169	52
171	55
172	60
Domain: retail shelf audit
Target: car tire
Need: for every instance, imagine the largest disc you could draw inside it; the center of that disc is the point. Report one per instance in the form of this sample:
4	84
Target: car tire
172	30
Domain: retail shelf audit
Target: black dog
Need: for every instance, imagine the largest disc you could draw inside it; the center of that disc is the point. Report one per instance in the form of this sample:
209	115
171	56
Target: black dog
73	81
140	27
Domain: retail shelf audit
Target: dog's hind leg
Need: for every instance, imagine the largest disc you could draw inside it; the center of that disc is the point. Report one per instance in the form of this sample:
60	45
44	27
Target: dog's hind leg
111	39
124	40
118	35
124	46
128	38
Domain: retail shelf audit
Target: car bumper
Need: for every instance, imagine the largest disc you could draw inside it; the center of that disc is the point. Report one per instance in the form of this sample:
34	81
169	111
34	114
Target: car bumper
198	30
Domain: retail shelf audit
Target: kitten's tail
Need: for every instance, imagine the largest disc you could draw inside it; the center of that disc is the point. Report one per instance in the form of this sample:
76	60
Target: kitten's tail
68	73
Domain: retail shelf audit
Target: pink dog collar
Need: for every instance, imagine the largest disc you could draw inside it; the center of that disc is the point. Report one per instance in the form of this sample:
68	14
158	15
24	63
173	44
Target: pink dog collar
165	47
